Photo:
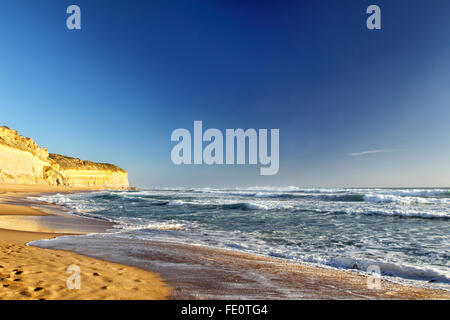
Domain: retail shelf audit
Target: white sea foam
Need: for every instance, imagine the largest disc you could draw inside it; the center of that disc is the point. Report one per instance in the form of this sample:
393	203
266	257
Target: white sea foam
177	203
276	189
129	226
373	197
398	211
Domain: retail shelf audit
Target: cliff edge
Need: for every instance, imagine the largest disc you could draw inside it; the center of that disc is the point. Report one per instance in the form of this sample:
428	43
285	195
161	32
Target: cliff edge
22	161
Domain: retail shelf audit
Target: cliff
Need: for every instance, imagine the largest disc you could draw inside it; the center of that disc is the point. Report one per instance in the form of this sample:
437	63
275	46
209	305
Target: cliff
22	161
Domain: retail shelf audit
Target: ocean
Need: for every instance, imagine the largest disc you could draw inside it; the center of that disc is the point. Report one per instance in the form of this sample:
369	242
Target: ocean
405	232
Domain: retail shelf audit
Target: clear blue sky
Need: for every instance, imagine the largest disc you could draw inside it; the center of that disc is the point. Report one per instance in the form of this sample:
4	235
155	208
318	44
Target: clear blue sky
115	90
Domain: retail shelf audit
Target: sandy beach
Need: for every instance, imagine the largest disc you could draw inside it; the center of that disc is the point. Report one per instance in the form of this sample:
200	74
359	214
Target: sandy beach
173	271
32	273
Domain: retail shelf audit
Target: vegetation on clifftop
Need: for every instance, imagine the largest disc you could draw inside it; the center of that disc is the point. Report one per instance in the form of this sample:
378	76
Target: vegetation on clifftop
68	163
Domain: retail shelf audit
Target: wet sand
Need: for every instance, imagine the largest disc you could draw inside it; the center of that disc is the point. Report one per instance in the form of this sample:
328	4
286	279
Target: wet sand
199	272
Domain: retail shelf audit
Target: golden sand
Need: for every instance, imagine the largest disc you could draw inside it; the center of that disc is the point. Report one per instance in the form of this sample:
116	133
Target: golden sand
33	273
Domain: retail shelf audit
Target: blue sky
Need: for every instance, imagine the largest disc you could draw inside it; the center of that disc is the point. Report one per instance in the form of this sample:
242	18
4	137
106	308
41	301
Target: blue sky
354	107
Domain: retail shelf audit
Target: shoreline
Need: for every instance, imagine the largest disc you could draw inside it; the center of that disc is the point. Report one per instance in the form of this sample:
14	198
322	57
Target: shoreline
201	272
197	272
28	272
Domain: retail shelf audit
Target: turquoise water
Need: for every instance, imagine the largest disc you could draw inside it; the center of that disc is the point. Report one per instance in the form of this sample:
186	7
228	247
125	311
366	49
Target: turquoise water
406	232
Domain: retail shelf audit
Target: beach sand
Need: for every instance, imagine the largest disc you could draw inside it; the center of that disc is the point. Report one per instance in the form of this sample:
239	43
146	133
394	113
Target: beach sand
199	272
189	272
33	273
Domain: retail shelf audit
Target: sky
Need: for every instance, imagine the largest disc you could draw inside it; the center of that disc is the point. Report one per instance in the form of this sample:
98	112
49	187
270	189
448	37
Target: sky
355	107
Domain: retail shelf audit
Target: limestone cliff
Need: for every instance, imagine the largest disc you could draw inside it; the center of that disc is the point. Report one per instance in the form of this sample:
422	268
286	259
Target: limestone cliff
22	161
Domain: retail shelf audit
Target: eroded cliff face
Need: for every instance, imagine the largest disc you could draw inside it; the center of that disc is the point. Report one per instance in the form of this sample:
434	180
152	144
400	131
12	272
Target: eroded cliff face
22	161
76	172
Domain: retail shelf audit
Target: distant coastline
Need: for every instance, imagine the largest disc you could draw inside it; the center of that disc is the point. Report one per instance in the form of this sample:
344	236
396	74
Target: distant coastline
22	161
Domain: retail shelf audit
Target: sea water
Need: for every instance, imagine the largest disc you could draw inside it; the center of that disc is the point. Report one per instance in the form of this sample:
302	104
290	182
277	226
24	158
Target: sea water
405	232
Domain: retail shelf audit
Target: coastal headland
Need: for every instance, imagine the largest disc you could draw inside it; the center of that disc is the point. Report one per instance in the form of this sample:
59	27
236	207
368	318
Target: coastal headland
27	272
22	161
